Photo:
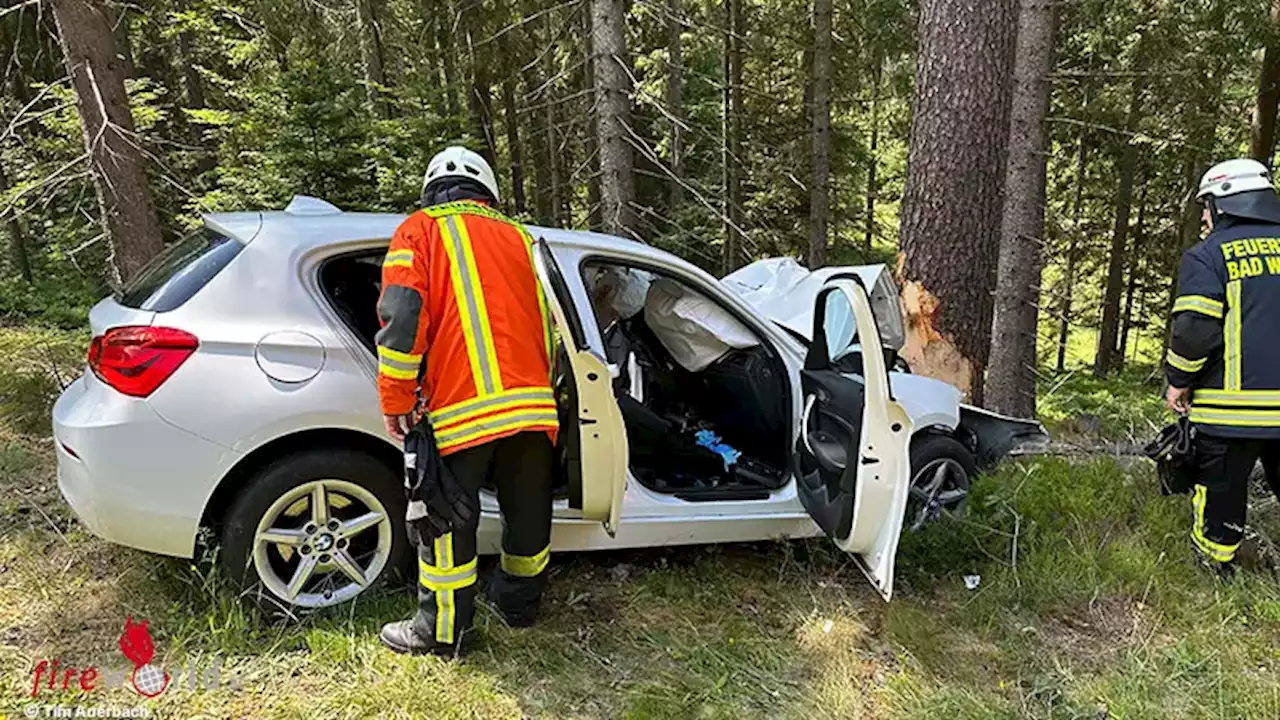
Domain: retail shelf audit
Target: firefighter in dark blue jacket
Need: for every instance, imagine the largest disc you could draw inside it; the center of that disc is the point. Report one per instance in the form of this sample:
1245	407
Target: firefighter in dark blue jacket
1223	364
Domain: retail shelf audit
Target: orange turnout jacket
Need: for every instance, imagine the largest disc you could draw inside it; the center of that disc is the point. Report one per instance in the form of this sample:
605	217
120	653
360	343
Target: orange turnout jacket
459	288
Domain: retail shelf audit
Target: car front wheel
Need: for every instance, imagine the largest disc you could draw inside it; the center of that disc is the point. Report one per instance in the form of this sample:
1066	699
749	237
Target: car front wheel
942	470
315	529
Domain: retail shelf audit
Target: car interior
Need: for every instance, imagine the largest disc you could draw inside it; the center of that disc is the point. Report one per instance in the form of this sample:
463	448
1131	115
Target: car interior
705	399
708	421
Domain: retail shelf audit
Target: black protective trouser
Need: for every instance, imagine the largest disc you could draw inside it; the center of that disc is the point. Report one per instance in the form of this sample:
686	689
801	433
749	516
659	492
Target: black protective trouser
520	468
1221	493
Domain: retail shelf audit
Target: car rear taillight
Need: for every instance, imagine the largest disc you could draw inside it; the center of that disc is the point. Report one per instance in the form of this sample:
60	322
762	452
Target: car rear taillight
136	360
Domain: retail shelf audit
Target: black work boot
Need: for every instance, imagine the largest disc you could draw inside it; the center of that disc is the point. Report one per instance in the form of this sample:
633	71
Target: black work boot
516	600
401	637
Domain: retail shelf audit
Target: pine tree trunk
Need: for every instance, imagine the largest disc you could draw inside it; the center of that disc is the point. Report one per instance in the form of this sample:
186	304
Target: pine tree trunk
17	236
820	187
125	202
594	205
449	47
951	224
1073	244
675	106
539	144
613	102
731	128
1127	165
1133	267
1262	138
371	53
512	120
1011	378
873	156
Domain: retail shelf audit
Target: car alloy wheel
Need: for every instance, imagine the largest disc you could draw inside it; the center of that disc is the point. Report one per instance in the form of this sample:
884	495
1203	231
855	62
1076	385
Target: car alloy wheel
941	485
322	543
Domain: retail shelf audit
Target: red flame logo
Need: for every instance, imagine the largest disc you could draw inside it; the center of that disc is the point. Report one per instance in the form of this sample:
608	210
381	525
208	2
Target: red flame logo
136	645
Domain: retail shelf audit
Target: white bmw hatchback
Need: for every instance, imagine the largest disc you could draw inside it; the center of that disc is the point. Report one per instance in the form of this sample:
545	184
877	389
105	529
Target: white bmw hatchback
231	386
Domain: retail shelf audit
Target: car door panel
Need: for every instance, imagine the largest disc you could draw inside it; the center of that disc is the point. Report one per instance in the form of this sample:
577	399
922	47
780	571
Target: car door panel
601	448
851	457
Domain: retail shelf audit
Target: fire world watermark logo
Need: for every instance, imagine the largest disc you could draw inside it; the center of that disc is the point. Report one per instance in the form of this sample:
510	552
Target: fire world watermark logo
142	676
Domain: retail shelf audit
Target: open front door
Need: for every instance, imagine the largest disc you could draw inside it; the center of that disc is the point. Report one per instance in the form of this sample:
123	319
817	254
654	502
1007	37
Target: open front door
851	457
602	435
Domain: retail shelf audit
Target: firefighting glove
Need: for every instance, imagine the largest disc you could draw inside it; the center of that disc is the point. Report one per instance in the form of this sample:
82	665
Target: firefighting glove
1174	454
438	503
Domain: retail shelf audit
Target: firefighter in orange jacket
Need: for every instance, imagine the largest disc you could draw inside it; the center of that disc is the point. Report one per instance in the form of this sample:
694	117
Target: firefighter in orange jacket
465	328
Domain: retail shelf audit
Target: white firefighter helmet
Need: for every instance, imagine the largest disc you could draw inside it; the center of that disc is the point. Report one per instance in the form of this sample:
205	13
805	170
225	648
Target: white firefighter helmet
457	161
1233	177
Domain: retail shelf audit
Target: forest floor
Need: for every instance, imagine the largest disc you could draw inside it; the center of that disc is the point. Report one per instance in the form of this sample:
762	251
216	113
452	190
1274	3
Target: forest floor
1090	605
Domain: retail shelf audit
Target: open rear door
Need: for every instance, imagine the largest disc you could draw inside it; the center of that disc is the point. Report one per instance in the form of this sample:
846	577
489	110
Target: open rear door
851	457
602	435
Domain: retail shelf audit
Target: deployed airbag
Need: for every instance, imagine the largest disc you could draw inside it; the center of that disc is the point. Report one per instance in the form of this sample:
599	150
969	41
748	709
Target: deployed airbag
694	329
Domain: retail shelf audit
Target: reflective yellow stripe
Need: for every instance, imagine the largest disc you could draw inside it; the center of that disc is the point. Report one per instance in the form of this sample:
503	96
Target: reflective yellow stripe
526	565
1240	398
1257	417
1231	337
452	414
1184	364
544	312
1215	550
398	365
504	408
465	208
442	552
472	310
1199	303
398	373
398	258
495	421
524	420
434	578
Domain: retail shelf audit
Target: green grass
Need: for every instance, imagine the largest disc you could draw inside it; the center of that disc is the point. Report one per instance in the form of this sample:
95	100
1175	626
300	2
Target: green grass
1076	406
1090	605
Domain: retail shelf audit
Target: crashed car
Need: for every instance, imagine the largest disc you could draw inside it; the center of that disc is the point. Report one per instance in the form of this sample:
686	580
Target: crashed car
231	387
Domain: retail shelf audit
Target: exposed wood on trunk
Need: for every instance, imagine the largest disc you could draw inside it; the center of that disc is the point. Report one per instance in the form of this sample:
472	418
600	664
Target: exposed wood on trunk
125	201
820	186
675	105
951	224
1011	377
873	154
1127	166
731	129
375	79
613	107
1262	136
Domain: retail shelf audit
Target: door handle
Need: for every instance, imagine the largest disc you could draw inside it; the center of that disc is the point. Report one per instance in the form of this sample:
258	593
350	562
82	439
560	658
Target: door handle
804	423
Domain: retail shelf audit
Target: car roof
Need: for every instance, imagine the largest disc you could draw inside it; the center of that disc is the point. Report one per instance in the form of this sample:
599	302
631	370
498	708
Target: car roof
308	223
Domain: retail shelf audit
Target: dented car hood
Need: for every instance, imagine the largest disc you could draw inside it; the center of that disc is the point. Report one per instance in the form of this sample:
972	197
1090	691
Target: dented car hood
785	292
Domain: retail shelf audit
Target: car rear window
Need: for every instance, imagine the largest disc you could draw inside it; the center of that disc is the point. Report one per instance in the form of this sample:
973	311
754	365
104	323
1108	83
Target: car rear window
178	273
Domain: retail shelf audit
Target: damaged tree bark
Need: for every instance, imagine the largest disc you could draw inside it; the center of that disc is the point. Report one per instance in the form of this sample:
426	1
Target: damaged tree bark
955	170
